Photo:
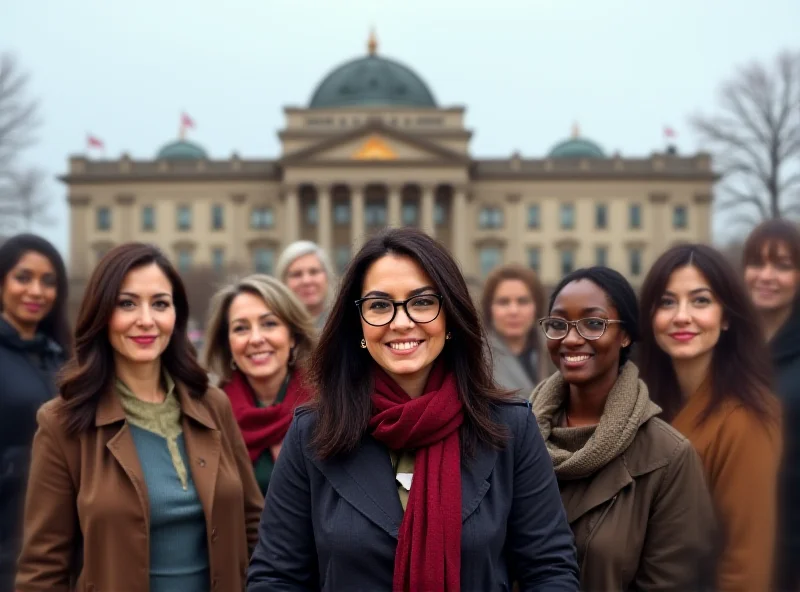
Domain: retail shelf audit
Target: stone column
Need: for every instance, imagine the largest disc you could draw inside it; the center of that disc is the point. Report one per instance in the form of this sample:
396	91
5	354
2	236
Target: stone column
356	218
428	204
291	214
324	222
238	230
126	218
461	230
658	222
395	206
702	207
79	214
514	220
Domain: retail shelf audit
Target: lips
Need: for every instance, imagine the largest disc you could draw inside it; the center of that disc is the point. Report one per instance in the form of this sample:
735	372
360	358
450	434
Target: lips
404	347
683	336
144	339
259	358
575	360
32	306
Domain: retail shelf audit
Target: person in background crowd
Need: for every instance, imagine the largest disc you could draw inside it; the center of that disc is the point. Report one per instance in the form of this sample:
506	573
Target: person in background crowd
259	340
412	471
704	359
139	477
306	269
771	261
34	343
511	299
632	486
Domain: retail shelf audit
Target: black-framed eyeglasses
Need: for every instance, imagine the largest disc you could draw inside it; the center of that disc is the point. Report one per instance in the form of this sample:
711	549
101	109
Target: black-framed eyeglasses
378	311
590	328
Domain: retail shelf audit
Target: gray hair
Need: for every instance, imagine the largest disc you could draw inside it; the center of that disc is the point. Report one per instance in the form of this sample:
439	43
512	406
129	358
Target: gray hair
300	249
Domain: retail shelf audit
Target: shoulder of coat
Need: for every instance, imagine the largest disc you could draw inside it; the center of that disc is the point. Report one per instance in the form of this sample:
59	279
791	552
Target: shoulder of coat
655	446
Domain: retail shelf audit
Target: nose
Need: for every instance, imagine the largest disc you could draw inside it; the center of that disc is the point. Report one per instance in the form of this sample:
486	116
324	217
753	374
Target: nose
401	319
573	338
256	336
35	288
145	317
682	316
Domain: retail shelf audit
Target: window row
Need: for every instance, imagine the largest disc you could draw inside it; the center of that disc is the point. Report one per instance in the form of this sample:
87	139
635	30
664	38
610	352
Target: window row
493	217
261	218
375	214
263	259
491	257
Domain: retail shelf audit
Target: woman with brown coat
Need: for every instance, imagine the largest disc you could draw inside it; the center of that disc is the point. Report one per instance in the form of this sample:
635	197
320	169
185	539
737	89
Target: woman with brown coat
140	479
632	486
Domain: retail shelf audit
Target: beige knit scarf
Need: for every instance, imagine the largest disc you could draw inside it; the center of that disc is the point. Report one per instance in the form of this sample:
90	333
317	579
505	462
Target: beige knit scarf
628	406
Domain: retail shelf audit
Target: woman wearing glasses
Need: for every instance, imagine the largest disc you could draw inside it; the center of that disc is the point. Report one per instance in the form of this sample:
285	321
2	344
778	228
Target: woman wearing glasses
632	486
411	471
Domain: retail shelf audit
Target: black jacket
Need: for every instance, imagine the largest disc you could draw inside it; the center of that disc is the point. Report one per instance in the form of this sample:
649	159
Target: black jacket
27	379
333	525
785	349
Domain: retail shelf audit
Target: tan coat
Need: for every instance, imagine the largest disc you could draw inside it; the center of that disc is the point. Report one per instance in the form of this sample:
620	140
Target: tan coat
87	493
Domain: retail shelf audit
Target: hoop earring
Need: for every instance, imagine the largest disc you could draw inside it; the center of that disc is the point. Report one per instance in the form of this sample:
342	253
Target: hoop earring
233	364
448	336
363	344
292	357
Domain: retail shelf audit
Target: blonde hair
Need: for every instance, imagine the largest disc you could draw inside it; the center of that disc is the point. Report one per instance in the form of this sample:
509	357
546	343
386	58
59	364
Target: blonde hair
280	300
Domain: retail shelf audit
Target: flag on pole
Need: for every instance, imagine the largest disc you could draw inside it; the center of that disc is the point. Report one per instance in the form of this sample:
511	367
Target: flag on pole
94	142
669	132
186	121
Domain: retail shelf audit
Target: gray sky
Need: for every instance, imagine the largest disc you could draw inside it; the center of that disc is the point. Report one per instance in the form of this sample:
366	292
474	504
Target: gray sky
525	69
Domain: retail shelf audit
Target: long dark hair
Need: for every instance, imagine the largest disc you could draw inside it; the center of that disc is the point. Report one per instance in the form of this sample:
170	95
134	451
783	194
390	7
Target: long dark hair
338	366
55	324
90	372
619	292
740	366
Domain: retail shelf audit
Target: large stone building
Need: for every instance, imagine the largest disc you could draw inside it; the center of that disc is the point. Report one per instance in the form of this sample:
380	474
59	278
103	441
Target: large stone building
373	148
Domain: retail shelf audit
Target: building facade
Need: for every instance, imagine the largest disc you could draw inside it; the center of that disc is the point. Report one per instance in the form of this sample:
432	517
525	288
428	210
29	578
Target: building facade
373	148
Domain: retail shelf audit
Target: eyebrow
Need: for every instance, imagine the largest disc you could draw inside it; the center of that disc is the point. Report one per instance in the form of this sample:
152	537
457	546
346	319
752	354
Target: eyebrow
159	295
264	316
584	311
411	294
691	292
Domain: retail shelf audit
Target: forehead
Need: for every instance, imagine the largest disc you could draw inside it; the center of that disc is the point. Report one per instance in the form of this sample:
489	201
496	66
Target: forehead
686	279
395	275
309	261
582	295
36	262
772	251
148	279
511	287
247	304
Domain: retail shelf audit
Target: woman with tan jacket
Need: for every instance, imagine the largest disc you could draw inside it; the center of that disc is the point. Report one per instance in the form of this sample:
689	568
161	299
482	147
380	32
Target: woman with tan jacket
140	479
632	486
705	360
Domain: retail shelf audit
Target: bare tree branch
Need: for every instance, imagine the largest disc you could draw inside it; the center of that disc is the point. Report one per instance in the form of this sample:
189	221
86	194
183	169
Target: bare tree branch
22	202
18	113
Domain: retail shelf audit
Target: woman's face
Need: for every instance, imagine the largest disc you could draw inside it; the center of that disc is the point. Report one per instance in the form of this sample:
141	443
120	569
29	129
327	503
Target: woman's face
144	318
405	349
29	291
689	318
260	341
513	309
306	277
581	361
773	281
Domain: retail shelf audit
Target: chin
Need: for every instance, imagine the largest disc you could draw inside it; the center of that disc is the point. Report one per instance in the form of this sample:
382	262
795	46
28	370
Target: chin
405	367
260	372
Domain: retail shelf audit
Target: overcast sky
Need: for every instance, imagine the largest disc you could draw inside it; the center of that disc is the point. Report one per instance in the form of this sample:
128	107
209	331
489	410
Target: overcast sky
525	69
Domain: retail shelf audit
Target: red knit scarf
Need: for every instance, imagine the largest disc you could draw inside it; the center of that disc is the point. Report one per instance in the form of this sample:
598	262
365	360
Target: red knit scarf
428	555
263	427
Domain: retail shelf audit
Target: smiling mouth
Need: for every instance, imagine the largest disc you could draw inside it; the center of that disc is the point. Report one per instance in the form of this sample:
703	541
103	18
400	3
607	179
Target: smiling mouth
575	358
403	345
259	356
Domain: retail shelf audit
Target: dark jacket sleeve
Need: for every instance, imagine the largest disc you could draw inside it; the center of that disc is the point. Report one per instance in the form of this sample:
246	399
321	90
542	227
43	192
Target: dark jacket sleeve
285	558
540	545
679	544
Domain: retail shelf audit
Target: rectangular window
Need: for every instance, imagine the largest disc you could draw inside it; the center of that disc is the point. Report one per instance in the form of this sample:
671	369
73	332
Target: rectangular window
439	214
635	261
534	258
680	218
103	218
567	216
490	257
312	214
635	217
184	218
375	214
410	214
490	217
601	256
184	260
262	218
342	258
341	213
567	257
217	217
601	216
264	260
534	216
148	219
218	259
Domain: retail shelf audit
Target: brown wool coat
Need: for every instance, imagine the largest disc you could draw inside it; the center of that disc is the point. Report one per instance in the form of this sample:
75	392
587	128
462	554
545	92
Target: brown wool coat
87	493
741	455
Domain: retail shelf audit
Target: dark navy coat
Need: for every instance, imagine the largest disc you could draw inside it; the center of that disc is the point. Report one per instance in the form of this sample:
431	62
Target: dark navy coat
333	524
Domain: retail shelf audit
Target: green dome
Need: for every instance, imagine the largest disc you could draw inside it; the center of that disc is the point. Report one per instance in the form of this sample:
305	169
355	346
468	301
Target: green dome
182	150
372	80
577	148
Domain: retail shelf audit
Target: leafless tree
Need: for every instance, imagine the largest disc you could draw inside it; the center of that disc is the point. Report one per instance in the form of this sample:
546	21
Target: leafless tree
755	140
22	200
18	114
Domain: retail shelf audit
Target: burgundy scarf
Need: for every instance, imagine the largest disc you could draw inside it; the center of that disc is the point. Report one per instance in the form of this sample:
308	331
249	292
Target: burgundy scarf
428	555
263	427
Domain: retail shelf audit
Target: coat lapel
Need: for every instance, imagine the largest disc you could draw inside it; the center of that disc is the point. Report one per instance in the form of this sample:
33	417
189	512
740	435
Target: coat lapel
203	444
475	480
366	481
586	495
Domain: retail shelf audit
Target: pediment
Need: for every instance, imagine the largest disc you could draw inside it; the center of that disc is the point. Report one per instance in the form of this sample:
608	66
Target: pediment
374	143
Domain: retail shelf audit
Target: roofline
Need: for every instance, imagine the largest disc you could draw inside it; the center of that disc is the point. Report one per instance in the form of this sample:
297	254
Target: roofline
294	110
